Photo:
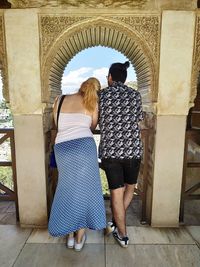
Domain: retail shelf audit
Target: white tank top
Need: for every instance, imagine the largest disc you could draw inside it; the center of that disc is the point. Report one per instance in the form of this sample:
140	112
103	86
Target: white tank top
73	126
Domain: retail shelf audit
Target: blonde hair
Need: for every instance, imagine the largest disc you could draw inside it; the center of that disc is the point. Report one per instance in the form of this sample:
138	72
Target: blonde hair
88	90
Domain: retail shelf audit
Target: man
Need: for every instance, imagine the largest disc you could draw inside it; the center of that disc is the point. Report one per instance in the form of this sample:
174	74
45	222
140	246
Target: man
120	149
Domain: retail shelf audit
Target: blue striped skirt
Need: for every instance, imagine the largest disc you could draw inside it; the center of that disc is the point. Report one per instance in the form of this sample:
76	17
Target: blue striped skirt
78	201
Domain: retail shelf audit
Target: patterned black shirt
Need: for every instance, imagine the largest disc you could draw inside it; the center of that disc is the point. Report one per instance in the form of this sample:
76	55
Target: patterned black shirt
120	111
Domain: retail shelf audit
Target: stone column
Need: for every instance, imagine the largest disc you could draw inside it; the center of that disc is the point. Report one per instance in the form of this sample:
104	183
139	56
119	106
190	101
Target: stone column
22	43
176	52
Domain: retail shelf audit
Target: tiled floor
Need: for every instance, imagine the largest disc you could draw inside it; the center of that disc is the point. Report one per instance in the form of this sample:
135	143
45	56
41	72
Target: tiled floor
156	247
133	214
7	213
148	247
192	212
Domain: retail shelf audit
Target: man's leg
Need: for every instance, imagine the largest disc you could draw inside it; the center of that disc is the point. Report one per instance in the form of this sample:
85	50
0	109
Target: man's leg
115	177
128	194
131	171
118	209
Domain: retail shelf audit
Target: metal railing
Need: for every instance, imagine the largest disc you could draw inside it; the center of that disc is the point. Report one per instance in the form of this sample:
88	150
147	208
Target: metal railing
9	194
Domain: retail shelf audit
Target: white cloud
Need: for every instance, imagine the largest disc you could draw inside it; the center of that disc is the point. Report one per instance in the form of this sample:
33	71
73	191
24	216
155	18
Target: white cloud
101	74
73	79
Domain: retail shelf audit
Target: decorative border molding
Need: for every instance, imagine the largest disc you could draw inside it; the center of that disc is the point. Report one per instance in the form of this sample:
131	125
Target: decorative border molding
111	4
1	36
52	27
196	61
3	60
80	3
148	27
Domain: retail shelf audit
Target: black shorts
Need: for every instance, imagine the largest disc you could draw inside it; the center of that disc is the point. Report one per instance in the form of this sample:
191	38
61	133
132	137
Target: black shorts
121	171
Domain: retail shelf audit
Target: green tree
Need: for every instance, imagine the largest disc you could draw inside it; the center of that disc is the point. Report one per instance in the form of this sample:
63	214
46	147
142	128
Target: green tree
104	183
6	177
3	104
9	119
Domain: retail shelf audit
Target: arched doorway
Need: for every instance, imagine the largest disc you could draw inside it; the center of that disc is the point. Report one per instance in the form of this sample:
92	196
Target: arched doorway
108	33
95	62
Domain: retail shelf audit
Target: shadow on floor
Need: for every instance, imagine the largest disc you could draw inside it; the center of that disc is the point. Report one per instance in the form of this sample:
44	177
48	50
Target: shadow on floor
133	216
7	213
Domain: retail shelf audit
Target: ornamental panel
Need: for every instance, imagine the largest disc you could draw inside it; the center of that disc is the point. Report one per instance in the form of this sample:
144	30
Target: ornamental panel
137	37
3	61
196	60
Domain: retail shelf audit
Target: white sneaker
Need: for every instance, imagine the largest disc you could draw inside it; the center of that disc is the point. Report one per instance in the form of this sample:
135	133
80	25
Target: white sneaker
70	242
110	228
123	241
79	246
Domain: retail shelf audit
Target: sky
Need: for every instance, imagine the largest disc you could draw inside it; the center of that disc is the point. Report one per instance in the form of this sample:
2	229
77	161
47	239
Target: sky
91	62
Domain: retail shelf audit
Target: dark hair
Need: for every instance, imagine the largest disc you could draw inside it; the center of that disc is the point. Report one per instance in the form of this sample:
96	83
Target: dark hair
118	71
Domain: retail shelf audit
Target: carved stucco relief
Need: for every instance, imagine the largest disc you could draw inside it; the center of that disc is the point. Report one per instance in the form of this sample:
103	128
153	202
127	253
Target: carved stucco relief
3	62
105	3
134	4
145	26
52	27
80	3
141	30
1	36
196	60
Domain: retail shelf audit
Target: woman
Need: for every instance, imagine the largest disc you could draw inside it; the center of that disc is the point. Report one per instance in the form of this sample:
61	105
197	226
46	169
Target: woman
78	202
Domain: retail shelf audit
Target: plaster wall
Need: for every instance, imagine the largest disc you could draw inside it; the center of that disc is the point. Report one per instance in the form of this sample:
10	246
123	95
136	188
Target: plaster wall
23	56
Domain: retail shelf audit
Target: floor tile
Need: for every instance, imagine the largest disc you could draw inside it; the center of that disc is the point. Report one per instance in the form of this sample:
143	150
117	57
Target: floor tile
12	240
192	212
95	237
11	207
152	256
42	236
4	205
133	214
148	235
57	255
195	232
9	218
2	215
